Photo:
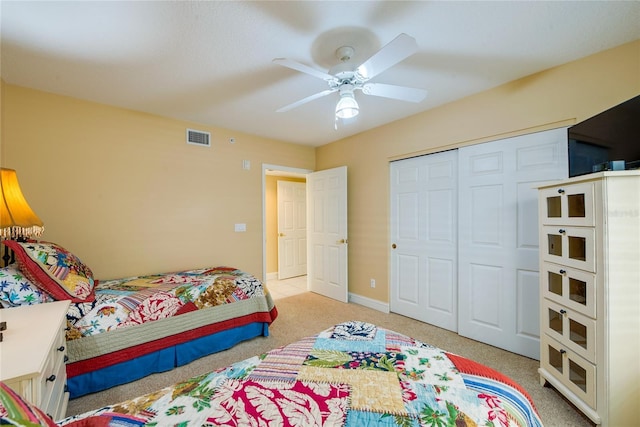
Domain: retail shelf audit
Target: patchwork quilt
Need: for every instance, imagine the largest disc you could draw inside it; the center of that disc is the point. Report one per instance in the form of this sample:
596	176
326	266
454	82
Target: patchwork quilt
353	374
122	303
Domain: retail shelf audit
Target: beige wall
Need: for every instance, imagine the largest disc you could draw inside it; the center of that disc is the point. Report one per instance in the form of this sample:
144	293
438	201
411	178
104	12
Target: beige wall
1	119
559	96
123	191
271	219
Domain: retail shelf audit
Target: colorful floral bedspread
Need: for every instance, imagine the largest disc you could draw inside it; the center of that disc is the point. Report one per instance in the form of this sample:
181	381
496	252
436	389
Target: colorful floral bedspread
126	302
354	374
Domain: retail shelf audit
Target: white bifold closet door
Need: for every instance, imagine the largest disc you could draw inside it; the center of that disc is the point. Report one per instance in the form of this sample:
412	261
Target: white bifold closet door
495	284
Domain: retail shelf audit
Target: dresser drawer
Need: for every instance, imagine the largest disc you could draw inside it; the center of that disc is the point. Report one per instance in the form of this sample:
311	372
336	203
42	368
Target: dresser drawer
570	246
574	330
571	204
570	287
54	371
576	373
54	399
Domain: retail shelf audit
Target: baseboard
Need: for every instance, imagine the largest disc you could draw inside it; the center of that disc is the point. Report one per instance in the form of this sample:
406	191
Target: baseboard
272	276
369	302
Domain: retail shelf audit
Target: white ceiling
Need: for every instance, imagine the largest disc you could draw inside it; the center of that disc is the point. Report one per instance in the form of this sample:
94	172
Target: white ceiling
210	62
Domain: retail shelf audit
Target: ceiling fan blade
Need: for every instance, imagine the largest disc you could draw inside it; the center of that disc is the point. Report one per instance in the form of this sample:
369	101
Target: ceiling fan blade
304	68
402	93
305	100
393	52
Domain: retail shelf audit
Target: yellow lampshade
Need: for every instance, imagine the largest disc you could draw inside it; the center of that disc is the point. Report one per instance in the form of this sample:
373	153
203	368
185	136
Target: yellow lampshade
17	220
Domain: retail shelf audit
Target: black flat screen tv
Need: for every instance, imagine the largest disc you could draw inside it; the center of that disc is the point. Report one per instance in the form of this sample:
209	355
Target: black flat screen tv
613	135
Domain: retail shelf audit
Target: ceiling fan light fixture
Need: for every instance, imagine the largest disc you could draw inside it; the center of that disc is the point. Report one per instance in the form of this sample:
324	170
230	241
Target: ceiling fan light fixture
347	106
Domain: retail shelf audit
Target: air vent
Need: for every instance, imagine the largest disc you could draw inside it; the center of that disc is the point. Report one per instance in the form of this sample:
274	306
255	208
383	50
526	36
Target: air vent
198	137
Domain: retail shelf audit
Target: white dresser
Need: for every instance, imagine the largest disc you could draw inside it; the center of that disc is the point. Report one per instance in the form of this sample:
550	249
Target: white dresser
590	293
33	355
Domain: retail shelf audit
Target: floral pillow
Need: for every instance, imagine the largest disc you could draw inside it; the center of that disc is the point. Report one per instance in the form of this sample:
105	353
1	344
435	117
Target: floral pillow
14	410
55	270
16	289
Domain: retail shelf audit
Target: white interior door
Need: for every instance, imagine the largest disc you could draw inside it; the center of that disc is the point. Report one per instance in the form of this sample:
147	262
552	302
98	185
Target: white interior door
327	233
498	237
424	239
292	229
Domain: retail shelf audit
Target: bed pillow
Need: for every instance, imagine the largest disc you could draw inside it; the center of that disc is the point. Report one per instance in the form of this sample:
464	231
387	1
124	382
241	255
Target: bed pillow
14	410
16	289
55	270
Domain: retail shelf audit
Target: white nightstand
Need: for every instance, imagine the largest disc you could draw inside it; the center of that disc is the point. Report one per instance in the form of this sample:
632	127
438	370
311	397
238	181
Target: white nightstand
33	353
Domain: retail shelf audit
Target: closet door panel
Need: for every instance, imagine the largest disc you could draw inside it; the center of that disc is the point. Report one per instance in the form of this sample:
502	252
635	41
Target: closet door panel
497	231
424	239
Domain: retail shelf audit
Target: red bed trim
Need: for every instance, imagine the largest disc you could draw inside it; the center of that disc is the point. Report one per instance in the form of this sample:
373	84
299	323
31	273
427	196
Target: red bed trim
109	359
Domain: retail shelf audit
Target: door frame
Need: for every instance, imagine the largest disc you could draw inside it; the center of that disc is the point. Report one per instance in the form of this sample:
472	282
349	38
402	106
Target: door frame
266	167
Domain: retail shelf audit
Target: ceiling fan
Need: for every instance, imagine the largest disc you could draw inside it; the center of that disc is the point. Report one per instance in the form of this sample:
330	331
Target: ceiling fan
346	79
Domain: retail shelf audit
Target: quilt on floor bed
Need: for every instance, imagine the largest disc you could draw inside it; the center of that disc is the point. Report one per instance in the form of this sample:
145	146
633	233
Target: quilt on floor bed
353	374
136	300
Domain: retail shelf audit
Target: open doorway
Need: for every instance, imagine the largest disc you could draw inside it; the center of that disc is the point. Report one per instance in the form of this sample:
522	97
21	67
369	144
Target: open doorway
326	210
273	234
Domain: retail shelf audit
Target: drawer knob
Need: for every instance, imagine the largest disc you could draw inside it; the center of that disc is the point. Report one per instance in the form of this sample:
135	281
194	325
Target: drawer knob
563	311
61	348
562	351
562	231
561	190
51	378
563	271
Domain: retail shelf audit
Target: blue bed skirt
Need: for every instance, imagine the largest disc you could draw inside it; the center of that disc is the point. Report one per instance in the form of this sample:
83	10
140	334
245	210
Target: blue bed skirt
162	360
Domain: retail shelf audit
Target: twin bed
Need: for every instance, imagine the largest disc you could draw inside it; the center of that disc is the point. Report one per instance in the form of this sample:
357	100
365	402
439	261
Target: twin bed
158	322
122	330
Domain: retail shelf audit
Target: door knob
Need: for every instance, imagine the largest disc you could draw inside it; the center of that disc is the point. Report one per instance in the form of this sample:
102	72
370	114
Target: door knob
393	246
280	234
342	241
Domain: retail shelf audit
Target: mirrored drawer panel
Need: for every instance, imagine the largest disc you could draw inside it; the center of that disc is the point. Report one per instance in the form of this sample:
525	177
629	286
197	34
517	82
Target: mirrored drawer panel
570	287
570	246
575	373
574	330
571	205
